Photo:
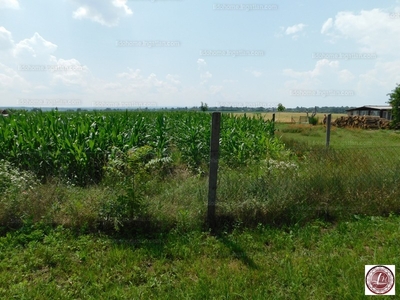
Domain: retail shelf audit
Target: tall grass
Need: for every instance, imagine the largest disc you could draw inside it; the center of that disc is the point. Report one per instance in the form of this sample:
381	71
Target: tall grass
331	185
151	175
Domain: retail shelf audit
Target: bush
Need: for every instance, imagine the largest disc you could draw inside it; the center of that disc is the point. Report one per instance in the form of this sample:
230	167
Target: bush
130	174
313	120
14	186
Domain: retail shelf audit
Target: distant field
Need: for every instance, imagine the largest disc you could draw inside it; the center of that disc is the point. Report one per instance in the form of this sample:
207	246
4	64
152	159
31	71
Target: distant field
290	117
340	137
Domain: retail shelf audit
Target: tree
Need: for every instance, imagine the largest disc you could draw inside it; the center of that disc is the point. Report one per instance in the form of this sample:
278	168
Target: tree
204	106
281	107
394	101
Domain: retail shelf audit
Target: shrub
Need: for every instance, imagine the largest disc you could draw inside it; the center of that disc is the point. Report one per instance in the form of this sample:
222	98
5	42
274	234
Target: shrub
130	175
14	186
13	180
313	120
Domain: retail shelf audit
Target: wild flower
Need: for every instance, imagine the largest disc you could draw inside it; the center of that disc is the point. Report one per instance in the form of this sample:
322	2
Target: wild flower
272	165
14	180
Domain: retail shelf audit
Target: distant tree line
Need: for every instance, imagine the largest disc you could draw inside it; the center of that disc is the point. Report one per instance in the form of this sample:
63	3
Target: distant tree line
205	107
322	109
319	109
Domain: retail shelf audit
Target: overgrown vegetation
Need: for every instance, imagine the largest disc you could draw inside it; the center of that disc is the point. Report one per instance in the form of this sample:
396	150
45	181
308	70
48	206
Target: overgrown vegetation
316	261
295	220
76	146
146	190
313	120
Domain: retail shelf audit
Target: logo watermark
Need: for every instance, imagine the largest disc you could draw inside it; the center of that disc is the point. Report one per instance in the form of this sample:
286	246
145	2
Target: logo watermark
247	104
344	56
322	93
50	68
233	53
49	102
245	7
380	280
148	44
114	104
395	15
153	1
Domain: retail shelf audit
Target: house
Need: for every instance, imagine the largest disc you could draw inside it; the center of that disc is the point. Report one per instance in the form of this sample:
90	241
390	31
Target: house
382	111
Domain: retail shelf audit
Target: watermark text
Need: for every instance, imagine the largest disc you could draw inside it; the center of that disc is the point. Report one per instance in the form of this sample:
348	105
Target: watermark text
245	7
233	53
322	93
147	44
345	56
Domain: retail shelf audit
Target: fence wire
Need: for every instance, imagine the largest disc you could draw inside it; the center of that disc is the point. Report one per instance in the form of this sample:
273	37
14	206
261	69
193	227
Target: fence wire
318	183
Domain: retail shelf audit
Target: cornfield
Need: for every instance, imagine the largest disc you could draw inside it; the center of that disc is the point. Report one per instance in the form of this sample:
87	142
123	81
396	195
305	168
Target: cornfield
77	145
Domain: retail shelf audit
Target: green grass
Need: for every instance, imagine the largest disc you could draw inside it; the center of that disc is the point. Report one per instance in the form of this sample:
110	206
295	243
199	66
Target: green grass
289	117
340	137
295	223
317	261
296	187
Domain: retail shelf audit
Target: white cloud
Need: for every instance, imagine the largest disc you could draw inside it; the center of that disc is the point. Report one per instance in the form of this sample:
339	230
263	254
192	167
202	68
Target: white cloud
134	81
9	4
321	67
201	63
327	25
173	79
71	78
50	75
6	41
345	76
205	76
374	30
383	77
10	79
68	72
295	28
325	75
229	81
34	47
113	86
105	12
215	89
255	73
122	4
280	33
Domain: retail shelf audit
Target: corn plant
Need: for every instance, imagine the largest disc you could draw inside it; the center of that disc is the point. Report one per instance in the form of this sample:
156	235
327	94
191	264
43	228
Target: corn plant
193	138
75	145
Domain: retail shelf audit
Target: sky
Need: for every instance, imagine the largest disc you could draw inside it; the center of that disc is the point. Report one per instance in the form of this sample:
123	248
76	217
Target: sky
163	53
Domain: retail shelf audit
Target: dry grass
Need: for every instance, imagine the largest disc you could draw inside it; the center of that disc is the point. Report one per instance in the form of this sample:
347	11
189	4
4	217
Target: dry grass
289	117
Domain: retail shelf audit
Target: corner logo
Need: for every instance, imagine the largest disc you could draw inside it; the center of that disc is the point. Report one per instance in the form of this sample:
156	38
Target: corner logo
379	280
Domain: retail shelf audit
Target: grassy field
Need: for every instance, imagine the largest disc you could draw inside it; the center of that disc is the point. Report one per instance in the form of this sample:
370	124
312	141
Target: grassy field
290	117
295	220
316	261
340	137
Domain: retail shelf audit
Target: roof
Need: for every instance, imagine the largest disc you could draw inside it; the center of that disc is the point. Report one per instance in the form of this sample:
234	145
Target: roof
371	107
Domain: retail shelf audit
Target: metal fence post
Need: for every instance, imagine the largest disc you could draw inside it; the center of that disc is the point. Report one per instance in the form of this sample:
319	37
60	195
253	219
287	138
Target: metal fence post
273	123
328	130
214	154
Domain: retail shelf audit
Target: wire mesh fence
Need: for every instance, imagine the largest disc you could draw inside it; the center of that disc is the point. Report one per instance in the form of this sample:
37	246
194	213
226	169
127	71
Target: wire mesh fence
126	167
319	183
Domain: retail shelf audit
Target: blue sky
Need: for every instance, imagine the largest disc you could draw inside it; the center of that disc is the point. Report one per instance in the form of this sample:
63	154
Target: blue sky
134	53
